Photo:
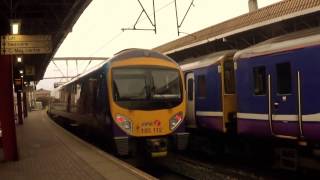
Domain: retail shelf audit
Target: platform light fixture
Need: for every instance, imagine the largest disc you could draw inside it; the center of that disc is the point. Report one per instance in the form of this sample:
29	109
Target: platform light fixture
21	71
19	59
224	39
15	26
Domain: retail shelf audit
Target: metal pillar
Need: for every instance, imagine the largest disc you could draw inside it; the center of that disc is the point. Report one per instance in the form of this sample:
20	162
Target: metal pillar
25	109
9	140
19	104
253	5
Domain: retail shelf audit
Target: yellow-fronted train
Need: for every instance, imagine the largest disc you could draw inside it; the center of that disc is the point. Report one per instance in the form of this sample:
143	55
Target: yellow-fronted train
135	99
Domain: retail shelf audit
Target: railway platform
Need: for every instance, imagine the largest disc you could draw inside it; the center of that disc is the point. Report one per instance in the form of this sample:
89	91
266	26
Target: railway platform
47	151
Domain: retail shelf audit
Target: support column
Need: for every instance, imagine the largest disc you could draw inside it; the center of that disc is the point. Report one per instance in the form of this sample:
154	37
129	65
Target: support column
19	104
253	5
25	109
9	140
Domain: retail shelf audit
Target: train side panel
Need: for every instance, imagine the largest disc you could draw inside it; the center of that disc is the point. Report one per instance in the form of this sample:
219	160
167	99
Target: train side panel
208	98
309	67
85	102
214	106
277	94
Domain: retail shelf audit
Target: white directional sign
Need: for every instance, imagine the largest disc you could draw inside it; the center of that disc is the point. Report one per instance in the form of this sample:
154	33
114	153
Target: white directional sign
25	44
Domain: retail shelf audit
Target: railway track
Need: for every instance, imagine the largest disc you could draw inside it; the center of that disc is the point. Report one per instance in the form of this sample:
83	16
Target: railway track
196	169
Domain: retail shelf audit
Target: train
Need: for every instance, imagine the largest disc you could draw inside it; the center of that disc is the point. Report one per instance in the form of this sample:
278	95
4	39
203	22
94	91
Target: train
268	90
135	99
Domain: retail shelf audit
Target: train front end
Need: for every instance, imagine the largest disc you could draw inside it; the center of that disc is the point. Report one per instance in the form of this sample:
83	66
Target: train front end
147	103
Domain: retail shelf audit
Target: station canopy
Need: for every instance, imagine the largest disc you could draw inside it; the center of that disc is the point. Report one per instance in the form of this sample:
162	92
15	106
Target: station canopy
41	17
246	30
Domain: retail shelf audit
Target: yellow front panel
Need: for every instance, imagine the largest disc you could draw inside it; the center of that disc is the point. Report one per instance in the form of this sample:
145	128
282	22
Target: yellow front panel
149	122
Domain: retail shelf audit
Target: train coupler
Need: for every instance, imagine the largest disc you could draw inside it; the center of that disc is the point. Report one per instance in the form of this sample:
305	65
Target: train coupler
157	147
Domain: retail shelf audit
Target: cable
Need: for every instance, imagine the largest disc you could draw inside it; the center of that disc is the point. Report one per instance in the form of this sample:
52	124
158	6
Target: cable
120	33
107	43
166	5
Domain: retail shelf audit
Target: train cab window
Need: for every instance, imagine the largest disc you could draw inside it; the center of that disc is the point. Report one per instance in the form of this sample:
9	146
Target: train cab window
190	89
259	80
229	79
283	78
165	84
202	87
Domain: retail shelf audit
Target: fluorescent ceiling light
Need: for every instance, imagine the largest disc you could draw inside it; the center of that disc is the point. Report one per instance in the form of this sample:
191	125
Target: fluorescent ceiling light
15	26
19	59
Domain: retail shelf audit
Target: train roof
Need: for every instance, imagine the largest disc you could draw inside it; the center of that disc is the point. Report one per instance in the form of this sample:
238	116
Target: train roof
136	52
296	40
204	61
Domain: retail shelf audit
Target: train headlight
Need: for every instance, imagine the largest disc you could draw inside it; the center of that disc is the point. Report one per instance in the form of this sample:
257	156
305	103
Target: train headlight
124	122
175	120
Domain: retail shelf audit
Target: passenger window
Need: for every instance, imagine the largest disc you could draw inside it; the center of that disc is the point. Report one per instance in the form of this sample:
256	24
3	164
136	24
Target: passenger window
283	78
259	80
190	89
229	82
202	88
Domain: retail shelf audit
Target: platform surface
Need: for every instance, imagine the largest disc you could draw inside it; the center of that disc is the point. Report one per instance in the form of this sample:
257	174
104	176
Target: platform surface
47	151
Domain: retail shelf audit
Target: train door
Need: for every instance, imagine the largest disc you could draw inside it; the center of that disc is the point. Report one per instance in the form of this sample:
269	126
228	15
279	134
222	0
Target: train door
228	95
284	100
190	116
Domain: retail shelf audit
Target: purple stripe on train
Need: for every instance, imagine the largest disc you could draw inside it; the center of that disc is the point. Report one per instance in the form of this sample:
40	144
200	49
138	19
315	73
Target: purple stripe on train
261	128
211	122
311	130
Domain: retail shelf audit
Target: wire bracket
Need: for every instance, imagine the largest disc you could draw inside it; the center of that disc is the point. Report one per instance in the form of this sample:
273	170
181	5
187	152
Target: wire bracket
184	17
153	23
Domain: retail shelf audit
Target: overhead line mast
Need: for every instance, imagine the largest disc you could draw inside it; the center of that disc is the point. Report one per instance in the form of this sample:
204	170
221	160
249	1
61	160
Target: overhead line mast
153	23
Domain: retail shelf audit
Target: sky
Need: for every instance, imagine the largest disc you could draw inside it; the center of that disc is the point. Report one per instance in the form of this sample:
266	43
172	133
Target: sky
97	33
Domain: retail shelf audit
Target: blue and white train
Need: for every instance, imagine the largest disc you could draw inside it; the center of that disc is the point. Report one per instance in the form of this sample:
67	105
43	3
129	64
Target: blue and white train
277	87
211	94
268	90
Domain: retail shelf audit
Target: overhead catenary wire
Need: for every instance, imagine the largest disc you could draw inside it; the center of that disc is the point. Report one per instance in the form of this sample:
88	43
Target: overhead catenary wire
120	33
111	40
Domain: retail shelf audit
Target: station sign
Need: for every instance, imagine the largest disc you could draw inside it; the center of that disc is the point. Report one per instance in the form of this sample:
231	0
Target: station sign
57	84
26	44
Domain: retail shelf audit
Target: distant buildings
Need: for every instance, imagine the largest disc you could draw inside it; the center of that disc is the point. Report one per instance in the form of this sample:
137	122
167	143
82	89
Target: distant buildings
42	96
41	93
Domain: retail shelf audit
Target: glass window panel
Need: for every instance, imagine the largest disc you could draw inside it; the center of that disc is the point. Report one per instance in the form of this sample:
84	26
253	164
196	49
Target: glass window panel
229	77
202	87
259	80
283	78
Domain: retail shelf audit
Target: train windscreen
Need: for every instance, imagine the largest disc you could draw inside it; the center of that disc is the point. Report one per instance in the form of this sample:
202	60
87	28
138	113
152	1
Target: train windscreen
144	88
